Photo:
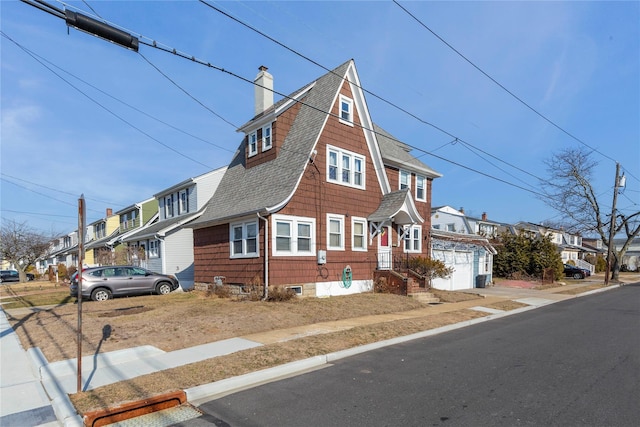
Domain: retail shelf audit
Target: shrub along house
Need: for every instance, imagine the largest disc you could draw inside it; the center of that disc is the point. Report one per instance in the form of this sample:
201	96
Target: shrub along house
316	197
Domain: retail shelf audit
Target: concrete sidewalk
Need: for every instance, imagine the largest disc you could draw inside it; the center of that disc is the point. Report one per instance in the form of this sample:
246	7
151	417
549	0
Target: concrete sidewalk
34	392
23	401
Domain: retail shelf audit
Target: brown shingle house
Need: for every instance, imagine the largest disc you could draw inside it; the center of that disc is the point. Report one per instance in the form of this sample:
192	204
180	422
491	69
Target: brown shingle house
317	197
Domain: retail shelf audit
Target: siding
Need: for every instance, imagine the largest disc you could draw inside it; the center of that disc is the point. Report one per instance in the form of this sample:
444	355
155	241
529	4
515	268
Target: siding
179	256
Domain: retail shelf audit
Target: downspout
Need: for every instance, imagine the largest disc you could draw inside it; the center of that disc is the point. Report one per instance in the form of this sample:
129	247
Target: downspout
266	256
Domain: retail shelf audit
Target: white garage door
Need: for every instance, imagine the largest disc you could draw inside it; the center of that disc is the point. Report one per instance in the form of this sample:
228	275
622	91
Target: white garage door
462	277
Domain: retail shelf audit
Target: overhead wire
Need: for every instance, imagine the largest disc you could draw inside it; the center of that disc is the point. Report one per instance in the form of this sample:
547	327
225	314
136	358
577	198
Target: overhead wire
511	93
105	108
192	58
403	110
57	190
154	44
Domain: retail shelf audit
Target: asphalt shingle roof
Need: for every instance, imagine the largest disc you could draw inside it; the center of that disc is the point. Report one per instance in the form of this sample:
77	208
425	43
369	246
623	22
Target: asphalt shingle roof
245	191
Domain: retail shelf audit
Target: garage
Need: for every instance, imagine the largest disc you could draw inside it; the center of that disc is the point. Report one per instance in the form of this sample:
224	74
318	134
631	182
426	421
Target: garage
462	263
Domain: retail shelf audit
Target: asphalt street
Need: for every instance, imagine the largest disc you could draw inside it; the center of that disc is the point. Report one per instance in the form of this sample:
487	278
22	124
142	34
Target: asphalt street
572	363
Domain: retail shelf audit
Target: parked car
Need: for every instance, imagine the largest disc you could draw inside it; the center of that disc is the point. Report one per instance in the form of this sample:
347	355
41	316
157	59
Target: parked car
103	283
575	272
13	276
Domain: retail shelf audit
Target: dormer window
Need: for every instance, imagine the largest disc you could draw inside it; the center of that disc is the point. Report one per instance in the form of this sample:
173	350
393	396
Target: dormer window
183	201
266	138
346	110
253	143
168	206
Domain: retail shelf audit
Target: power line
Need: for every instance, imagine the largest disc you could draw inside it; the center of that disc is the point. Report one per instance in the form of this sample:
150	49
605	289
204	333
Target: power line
500	85
105	108
57	190
360	87
186	92
127	104
156	45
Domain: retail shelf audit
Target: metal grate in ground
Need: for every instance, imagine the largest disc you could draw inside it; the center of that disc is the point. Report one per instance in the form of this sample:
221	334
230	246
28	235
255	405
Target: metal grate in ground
163	418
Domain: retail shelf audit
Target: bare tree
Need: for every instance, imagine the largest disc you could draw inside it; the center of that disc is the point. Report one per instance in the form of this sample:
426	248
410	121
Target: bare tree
22	245
569	191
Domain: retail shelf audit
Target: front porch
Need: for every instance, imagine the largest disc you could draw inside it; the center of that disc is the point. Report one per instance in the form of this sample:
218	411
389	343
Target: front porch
394	275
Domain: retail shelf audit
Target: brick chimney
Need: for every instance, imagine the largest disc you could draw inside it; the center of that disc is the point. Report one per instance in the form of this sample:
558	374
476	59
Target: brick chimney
109	212
263	85
484	216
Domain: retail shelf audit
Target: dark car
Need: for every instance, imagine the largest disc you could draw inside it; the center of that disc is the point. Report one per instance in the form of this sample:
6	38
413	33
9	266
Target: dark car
575	272
13	276
103	283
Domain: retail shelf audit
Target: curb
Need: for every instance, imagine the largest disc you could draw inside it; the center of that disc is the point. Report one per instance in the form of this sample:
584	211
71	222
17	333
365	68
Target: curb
69	417
130	410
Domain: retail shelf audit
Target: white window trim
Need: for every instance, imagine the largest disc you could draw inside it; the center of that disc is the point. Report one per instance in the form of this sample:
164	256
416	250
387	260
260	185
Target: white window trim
253	136
342	232
294	221
407	233
169	208
400	172
244	253
266	147
363	221
340	152
424	188
154	253
348	101
183	207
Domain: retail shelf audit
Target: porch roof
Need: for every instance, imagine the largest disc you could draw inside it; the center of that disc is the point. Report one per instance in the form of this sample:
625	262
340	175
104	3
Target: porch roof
398	207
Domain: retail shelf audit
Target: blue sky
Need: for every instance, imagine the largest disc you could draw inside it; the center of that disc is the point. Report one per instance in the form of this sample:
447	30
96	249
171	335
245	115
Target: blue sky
89	117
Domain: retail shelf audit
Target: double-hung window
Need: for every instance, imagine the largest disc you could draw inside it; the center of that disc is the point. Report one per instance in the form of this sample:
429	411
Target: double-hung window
346	110
266	138
421	183
335	232
358	234
253	143
154	248
183	201
168	206
293	235
412	238
345	167
244	239
405	179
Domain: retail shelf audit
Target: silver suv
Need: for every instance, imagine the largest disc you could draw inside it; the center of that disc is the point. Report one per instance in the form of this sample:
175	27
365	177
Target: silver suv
103	283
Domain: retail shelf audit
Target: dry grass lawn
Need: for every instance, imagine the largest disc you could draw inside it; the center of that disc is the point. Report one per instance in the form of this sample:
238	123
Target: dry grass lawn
181	320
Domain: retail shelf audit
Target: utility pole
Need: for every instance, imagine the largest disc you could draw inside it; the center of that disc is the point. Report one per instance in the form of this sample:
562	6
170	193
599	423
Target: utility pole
612	226
82	225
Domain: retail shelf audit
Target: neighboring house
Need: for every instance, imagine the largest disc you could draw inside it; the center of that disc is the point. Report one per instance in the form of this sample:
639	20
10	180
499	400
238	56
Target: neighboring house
462	243
316	198
167	243
446	218
100	241
631	259
485	227
61	251
132	218
569	245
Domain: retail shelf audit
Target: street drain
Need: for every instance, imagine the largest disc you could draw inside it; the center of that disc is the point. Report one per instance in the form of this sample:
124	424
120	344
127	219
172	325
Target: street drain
163	418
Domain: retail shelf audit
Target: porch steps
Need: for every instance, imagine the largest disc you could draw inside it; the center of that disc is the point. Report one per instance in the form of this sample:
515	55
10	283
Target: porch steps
425	297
